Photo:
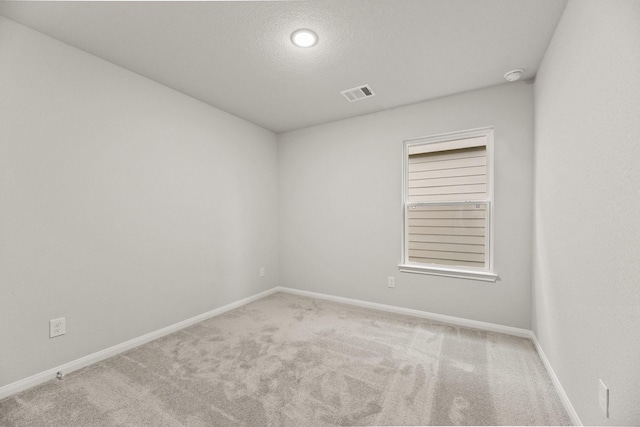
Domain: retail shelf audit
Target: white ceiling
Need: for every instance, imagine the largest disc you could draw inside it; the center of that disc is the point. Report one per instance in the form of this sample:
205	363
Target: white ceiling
237	56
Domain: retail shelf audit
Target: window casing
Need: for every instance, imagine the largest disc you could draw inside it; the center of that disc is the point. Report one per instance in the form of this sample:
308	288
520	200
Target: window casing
447	201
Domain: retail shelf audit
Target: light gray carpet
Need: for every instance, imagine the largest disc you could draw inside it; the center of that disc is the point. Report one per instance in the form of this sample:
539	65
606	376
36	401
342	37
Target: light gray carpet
287	360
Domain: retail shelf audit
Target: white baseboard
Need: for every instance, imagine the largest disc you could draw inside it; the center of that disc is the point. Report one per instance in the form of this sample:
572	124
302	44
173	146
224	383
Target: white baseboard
74	365
556	382
459	321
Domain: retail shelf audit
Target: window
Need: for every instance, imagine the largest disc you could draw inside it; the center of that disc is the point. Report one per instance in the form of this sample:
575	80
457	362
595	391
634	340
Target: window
447	195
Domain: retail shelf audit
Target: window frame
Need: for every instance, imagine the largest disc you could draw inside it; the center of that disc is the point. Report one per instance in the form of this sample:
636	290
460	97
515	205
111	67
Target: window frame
487	273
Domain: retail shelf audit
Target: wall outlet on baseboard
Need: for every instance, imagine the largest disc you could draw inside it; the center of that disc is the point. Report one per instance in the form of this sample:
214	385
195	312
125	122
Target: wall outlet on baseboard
262	272
57	327
391	282
603	398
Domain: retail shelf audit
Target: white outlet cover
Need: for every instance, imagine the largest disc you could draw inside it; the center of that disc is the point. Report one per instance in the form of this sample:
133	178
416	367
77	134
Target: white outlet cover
391	282
603	398
57	327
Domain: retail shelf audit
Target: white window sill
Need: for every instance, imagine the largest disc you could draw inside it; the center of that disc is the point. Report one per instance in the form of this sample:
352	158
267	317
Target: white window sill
449	272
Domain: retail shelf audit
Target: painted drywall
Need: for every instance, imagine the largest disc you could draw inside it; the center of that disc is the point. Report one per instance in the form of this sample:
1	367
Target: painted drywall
125	206
587	206
341	206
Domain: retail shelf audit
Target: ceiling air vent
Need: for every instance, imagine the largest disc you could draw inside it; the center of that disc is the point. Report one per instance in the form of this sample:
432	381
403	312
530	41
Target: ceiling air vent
358	93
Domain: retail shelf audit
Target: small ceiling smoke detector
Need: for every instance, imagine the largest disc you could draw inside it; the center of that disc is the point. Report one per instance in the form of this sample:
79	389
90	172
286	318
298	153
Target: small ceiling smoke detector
304	38
514	75
358	93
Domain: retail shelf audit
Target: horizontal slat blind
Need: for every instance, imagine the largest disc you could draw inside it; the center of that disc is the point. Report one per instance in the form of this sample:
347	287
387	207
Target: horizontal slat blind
445	176
456	144
447	203
447	234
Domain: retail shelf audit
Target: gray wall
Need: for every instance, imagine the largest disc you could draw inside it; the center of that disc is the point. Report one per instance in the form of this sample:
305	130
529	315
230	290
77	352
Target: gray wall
124	206
341	206
587	207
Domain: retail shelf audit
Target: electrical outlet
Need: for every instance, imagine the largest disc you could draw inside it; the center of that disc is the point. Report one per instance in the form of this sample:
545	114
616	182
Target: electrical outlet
57	327
603	398
391	282
262	272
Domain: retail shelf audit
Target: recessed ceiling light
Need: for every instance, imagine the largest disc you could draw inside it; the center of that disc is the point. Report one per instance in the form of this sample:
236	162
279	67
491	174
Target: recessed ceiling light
304	38
514	75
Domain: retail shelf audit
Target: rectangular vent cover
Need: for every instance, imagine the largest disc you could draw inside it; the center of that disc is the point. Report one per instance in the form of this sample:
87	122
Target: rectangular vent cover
358	93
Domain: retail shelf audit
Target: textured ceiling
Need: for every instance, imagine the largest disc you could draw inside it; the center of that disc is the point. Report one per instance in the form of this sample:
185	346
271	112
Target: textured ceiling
237	56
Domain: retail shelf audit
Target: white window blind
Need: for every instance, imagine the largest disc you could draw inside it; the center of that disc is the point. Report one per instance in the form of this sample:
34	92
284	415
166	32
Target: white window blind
448	174
447	203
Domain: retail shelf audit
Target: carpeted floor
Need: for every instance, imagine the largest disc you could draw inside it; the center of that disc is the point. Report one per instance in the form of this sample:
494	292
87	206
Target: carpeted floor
287	360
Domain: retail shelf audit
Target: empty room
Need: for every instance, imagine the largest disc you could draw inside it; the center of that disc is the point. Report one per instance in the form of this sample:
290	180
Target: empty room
310	213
